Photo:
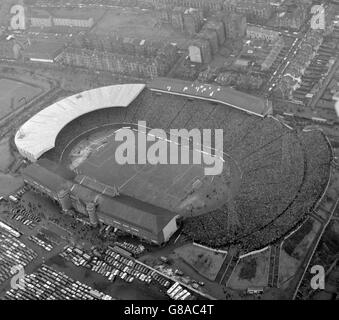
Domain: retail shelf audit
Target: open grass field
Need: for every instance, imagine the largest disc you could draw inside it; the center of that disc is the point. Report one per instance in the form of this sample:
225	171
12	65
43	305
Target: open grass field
204	261
251	271
14	94
6	157
182	188
129	22
9	184
290	263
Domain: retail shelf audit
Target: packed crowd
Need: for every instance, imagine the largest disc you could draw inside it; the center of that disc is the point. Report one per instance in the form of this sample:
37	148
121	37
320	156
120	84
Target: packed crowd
283	173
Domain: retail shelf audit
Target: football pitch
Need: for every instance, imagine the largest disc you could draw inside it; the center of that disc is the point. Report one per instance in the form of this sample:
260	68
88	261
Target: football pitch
14	94
182	188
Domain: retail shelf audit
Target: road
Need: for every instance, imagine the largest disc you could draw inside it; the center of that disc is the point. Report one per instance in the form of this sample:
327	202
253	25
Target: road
281	69
283	65
311	252
313	102
273	276
204	295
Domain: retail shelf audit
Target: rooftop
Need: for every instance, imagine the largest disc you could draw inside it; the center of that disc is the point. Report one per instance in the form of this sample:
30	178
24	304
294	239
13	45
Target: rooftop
43	50
46	177
127	209
225	95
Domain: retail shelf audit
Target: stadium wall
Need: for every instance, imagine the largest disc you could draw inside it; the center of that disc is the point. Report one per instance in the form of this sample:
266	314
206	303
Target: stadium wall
38	134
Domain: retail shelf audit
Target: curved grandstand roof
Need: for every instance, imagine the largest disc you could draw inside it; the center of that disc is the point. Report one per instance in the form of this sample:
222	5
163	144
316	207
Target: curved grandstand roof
39	133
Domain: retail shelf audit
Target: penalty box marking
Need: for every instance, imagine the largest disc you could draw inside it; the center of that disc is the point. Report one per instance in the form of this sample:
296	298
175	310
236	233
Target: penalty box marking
195	183
172	189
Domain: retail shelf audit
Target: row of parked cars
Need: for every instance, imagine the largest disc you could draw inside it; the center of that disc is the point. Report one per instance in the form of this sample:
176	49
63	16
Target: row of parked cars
17	196
49	284
13	253
177	292
75	255
135	250
113	264
41	243
25	217
178	275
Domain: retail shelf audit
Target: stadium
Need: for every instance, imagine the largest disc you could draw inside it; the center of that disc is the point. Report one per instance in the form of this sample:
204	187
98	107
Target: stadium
273	178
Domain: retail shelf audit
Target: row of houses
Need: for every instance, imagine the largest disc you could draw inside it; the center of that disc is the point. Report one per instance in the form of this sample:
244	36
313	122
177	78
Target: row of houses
290	19
39	18
118	44
252	9
278	45
291	79
136	66
261	33
135	57
49	22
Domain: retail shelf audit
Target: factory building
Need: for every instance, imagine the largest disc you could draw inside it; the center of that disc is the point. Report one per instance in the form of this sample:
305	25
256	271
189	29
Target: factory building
45	19
41	20
79	23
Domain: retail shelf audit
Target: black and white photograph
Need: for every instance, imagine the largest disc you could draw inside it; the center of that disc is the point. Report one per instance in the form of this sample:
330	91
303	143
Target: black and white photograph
167	155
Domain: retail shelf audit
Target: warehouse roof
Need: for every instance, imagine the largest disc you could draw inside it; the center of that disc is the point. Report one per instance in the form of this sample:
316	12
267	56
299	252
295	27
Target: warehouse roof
39	133
225	95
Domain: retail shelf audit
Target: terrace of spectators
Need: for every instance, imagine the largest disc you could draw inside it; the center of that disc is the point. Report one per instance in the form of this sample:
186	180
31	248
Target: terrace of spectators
283	175
224	95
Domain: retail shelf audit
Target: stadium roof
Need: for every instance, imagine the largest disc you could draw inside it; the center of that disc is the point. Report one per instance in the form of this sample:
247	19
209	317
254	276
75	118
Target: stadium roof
39	133
95	185
225	95
132	211
123	207
52	180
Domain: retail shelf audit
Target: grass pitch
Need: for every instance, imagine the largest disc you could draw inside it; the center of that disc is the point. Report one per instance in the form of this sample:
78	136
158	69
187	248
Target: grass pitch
182	188
14	94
